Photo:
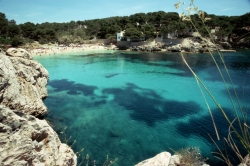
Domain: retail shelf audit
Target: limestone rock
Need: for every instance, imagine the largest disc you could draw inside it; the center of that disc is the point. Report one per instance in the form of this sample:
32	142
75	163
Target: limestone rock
165	159
18	52
161	159
1	51
174	160
26	140
23	84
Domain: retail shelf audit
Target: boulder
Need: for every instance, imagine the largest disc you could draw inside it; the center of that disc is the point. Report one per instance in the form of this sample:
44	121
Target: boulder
174	160
1	51
26	140
18	52
161	159
165	159
22	83
175	48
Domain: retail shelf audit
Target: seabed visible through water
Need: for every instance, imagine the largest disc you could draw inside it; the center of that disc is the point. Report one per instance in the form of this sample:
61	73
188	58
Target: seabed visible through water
134	105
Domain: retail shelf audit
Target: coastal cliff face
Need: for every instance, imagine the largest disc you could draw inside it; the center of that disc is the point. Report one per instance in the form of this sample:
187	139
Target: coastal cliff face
22	82
26	140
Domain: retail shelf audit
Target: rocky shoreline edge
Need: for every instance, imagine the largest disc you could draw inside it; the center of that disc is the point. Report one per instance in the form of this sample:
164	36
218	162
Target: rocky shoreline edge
26	139
187	45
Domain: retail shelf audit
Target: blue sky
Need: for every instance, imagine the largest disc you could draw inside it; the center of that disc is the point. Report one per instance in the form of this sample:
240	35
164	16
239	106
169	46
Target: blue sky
39	11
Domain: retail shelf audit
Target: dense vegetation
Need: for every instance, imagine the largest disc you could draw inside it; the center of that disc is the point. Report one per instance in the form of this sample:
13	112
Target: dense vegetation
136	26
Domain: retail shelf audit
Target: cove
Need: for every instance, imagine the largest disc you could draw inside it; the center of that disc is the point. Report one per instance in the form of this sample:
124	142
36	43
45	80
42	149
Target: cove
134	105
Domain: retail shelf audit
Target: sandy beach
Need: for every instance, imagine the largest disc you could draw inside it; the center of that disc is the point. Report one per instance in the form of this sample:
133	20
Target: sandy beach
51	50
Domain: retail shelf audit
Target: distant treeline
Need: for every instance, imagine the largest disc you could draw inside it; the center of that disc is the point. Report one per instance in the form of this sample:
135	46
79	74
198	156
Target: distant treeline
145	25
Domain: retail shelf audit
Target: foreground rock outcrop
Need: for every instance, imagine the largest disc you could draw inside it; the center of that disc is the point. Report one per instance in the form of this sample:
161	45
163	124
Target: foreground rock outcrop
26	140
165	159
161	159
22	82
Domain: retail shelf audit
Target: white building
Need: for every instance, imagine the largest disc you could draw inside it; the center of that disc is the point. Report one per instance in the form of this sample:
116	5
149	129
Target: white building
120	35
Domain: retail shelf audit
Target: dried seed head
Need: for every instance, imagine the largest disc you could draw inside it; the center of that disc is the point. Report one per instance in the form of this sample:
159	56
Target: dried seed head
196	8
177	5
182	15
201	14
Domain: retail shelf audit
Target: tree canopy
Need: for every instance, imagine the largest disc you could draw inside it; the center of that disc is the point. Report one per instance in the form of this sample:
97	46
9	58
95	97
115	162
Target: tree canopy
138	25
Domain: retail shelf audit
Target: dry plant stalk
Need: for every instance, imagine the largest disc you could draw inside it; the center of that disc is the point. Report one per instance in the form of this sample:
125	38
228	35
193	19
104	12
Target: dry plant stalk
243	135
190	156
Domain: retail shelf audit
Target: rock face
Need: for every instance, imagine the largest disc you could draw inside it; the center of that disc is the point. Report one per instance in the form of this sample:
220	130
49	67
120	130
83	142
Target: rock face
193	45
18	52
161	159
165	159
22	82
26	140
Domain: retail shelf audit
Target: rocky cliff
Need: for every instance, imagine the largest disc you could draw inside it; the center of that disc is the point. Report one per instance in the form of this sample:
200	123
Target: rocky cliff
26	140
22	82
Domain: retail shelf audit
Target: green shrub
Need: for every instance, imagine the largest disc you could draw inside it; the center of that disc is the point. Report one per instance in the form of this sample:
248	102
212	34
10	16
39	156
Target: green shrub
17	41
5	41
43	41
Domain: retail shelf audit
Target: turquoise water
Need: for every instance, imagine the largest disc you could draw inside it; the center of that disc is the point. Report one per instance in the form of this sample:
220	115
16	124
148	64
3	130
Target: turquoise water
132	106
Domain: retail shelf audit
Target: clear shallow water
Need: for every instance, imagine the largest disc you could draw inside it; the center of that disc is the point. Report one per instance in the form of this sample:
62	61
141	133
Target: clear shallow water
135	105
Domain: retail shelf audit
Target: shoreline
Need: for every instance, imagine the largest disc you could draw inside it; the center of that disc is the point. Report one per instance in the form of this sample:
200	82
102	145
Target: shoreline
47	50
55	50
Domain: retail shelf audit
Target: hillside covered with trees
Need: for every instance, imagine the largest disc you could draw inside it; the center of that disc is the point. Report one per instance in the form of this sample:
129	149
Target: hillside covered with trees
138	25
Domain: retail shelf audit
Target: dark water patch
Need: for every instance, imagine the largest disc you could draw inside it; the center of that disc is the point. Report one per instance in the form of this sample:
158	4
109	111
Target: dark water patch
61	85
71	87
85	89
238	77
240	93
56	100
89	55
181	74
111	75
73	92
148	106
55	103
236	63
173	61
157	72
205	62
96	103
114	134
95	55
213	75
203	127
240	65
147	56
